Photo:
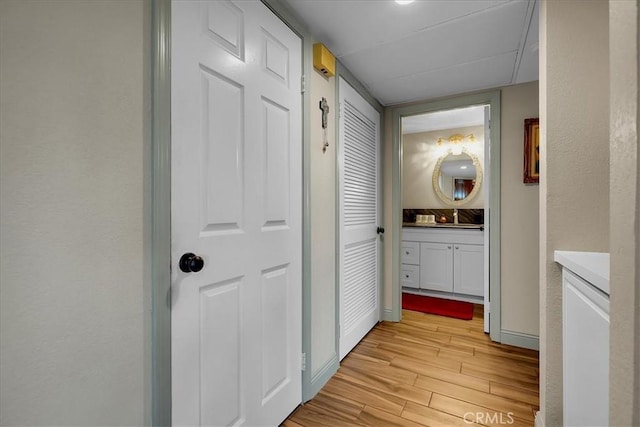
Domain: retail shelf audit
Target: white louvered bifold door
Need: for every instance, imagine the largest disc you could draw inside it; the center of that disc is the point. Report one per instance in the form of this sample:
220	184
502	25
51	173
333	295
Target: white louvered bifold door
359	243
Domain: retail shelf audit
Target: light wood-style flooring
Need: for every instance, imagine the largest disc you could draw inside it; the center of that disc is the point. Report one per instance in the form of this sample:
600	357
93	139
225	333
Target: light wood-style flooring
428	370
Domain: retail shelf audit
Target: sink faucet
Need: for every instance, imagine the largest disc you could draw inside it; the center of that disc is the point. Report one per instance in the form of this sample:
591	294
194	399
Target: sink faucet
455	216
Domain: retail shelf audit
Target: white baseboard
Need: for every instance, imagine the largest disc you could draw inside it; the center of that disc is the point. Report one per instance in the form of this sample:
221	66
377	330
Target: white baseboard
519	339
538	420
387	314
319	378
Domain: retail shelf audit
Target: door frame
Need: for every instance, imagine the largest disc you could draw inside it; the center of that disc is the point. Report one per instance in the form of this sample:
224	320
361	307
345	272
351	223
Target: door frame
491	98
158	385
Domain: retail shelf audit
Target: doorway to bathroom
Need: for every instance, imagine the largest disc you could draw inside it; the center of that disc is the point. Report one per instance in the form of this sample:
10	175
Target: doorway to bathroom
446	199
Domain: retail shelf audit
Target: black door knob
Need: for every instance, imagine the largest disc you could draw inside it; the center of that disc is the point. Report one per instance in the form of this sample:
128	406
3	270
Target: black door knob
380	230
191	263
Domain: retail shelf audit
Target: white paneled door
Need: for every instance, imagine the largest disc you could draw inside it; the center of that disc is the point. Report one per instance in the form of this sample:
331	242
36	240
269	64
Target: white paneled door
236	206
359	217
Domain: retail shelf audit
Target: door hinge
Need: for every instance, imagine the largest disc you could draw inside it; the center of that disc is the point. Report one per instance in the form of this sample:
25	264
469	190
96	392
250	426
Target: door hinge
303	361
303	83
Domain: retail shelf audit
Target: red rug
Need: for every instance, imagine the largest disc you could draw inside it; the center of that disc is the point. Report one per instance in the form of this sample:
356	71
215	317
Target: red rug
443	307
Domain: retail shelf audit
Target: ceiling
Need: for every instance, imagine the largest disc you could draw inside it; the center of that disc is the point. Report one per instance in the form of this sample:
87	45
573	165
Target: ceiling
444	119
428	48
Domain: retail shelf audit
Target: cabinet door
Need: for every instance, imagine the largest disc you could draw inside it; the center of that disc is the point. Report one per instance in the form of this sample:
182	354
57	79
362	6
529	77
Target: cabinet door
468	270
436	266
585	331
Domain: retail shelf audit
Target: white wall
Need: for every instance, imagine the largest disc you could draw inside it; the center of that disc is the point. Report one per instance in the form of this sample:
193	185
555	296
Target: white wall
72	155
420	153
624	350
323	225
387	195
574	188
519	214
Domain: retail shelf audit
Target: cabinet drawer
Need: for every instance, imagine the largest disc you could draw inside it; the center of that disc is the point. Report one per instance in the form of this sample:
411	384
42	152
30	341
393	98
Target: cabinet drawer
411	253
410	276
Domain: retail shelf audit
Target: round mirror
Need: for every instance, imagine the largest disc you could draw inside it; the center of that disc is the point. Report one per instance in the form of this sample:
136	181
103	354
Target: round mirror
457	178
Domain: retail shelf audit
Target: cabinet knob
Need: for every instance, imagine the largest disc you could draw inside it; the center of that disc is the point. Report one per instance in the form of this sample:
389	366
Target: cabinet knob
457	247
448	247
406	275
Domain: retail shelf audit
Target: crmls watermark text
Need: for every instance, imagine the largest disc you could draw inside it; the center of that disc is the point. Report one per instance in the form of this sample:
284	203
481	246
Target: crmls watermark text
488	418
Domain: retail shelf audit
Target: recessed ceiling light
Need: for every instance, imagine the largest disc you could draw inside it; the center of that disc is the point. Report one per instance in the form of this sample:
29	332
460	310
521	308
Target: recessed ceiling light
463	167
404	1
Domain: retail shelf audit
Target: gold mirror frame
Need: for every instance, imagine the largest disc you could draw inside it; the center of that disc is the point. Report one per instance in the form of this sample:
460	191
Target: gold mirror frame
476	188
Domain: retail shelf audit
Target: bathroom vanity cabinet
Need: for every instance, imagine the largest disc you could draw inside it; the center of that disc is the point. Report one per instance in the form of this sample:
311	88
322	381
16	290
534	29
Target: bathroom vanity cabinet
448	260
585	337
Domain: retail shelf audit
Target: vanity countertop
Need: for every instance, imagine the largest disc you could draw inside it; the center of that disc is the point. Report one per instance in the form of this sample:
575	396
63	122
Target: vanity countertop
448	225
591	266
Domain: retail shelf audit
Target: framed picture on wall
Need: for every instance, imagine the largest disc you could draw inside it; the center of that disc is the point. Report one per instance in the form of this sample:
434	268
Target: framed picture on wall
531	151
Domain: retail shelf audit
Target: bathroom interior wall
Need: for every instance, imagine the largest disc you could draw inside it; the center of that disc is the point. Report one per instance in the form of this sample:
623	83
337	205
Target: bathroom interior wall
574	190
73	176
420	153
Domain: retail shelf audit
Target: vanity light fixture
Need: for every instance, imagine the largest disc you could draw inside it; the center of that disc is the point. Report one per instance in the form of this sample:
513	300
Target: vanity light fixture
403	2
463	167
457	139
457	142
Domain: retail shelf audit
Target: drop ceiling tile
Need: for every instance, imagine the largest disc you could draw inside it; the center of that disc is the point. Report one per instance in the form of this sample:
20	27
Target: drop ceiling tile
528	68
484	34
425	50
444	119
534	27
350	25
482	74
